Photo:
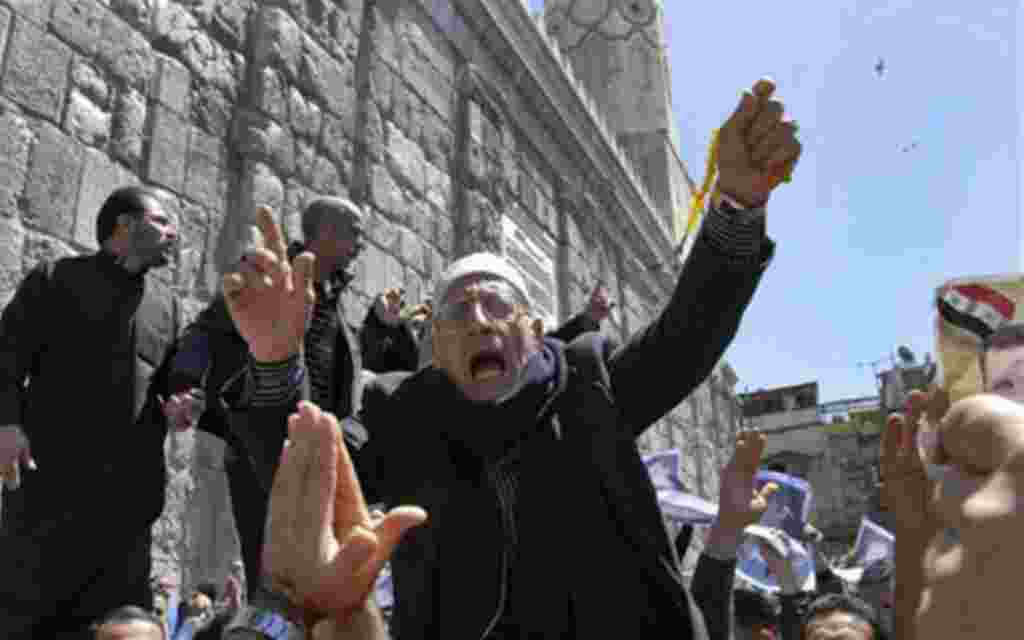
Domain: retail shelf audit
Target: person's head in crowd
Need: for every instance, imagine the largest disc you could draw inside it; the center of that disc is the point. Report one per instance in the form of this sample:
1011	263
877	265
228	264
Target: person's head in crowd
129	623
483	332
876	588
204	597
1002	362
134	225
840	617
756	615
333	231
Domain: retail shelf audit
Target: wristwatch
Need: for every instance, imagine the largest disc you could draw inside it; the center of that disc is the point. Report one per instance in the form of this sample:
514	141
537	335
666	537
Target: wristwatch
270	624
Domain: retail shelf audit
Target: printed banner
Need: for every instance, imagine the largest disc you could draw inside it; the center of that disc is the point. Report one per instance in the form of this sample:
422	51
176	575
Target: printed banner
874	543
968	311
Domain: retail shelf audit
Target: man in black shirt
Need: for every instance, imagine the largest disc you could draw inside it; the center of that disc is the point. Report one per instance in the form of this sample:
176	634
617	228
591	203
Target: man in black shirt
83	347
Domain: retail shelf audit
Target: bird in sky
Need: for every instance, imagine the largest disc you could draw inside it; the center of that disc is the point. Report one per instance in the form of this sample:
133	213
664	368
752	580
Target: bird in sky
880	67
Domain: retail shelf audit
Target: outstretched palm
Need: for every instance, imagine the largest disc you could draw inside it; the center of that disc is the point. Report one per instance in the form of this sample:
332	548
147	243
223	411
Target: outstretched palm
270	300
740	503
323	550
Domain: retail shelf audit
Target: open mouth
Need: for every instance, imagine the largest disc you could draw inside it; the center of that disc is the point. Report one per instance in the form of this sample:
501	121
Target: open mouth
486	365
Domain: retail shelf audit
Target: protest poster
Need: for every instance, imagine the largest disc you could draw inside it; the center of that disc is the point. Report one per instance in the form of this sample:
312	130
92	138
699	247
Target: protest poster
788	510
790	506
752	569
873	543
676	504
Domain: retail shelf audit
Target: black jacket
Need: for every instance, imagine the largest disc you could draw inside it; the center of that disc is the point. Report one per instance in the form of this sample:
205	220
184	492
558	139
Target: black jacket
591	518
84	347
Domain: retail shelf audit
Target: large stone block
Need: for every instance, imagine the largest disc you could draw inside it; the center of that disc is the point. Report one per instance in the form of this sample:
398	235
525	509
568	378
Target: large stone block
127	134
52	187
277	41
437	139
384	233
173	84
36	70
138	13
212	110
384	193
268	92
412	251
438	187
264	139
330	80
78	22
125	52
86	121
405	158
168	149
260	186
100	177
37	11
203	181
306	116
335	138
380	271
15	143
326	178
87	79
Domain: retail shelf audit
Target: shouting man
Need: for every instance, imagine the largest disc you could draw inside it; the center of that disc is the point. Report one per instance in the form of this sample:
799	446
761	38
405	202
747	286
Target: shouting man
522	449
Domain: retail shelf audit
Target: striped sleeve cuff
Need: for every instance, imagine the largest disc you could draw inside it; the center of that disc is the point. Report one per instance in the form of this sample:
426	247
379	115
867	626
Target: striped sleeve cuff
274	384
736	232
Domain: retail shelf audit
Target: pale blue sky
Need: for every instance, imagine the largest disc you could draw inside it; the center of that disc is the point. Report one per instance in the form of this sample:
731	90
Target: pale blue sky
865	232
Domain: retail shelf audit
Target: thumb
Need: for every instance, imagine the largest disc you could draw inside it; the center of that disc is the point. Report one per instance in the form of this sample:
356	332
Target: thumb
394	525
767	491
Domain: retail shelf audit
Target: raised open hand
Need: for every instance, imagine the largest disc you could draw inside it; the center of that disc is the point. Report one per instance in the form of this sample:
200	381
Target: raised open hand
757	147
270	300
323	550
740	503
908	439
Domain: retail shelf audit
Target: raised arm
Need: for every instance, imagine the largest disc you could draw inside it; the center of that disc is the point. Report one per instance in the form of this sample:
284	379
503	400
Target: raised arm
661	364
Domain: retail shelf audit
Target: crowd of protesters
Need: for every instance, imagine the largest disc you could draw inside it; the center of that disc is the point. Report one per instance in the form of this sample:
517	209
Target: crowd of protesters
490	463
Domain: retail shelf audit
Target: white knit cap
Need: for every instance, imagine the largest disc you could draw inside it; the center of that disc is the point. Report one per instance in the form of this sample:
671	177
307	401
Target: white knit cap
480	264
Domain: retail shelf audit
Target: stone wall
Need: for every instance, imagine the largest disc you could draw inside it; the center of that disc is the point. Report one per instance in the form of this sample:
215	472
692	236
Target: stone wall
454	123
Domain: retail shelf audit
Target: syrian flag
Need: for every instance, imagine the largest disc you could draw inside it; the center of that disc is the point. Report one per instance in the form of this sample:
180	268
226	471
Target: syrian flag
975	309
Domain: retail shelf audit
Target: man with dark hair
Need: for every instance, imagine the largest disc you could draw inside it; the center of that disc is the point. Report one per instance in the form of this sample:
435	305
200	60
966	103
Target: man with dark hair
1002	362
840	617
128	623
756	615
83	347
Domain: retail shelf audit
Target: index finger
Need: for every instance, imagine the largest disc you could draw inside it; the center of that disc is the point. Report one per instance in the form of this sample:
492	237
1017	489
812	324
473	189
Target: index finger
272	235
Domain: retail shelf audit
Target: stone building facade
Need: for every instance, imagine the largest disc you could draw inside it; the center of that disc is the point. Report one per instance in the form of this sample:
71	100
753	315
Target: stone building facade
459	125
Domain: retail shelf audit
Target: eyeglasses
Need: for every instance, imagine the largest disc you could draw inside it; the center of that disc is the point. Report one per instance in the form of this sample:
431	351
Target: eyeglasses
497	299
